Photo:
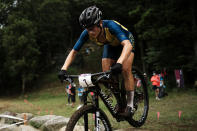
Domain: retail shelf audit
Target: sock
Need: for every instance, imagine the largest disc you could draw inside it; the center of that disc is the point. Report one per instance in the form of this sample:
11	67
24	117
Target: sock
130	96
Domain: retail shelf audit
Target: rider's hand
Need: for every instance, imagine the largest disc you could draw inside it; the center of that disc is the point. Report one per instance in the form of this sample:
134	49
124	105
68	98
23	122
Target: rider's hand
116	69
61	75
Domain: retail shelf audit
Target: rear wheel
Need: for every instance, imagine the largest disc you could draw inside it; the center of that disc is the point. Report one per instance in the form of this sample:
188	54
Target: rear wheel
141	100
85	119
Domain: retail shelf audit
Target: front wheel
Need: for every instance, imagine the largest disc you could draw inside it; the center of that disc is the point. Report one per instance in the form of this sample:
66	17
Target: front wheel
89	118
141	100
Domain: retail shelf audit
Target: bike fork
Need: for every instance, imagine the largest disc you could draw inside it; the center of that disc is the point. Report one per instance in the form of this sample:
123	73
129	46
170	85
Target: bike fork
97	120
97	114
86	122
86	115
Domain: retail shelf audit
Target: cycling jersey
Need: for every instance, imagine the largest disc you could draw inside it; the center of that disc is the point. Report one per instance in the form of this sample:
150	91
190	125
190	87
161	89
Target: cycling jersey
155	80
115	33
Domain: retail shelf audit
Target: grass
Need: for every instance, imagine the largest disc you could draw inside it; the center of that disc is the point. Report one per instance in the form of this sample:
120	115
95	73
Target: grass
51	100
169	108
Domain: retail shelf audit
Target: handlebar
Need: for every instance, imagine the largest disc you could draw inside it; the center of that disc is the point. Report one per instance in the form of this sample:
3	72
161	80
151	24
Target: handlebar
100	75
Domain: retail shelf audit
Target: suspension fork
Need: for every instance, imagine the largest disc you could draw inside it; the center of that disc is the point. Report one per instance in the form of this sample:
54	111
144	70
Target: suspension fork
85	115
97	113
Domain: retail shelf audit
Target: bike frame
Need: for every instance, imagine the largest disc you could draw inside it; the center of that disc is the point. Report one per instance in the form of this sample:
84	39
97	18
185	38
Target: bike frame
105	79
98	92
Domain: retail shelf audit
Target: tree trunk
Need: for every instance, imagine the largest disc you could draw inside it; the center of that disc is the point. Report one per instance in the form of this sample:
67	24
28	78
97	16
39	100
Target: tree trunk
193	11
194	28
142	55
23	84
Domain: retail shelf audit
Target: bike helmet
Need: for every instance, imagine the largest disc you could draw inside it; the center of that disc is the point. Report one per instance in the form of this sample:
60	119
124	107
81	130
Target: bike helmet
90	16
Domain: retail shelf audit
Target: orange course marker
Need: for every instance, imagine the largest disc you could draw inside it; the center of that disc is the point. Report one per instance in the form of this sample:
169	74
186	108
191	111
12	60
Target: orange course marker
25	119
25	101
38	112
46	111
180	114
158	115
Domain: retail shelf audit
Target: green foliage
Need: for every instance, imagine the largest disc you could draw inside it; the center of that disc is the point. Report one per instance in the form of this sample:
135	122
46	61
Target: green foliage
35	124
21	48
165	29
53	30
168	107
19	41
6	7
35	34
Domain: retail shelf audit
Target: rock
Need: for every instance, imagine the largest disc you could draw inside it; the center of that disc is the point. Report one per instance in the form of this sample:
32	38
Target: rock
2	120
38	121
8	120
77	128
63	128
11	128
9	113
131	129
27	128
55	123
28	115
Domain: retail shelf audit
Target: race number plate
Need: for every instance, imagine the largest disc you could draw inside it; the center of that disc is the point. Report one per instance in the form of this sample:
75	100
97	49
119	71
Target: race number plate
85	80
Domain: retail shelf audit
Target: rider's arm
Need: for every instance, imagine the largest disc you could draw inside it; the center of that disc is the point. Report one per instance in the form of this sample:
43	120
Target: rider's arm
127	48
82	39
69	59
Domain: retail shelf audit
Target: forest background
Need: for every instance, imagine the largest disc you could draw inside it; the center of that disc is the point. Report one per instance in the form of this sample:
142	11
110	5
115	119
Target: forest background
36	36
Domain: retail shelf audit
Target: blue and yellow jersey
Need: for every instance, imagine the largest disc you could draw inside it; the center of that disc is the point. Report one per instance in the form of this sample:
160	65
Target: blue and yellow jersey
115	33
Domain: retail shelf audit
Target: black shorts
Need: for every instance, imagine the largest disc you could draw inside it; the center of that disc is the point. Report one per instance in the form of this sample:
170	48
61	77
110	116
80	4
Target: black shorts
72	98
114	52
155	87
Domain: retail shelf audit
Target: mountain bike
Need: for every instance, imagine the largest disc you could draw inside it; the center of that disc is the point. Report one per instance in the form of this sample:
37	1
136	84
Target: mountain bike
110	89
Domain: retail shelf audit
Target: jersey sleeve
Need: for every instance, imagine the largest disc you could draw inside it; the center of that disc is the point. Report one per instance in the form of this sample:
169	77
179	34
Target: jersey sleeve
118	30
82	39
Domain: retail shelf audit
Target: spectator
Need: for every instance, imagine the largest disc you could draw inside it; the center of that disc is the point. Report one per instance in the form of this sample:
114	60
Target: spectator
80	95
155	83
72	94
162	87
178	78
137	81
68	92
93	96
145	76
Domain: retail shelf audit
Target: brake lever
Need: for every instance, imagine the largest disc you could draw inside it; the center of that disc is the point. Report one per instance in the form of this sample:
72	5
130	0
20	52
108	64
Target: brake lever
69	80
